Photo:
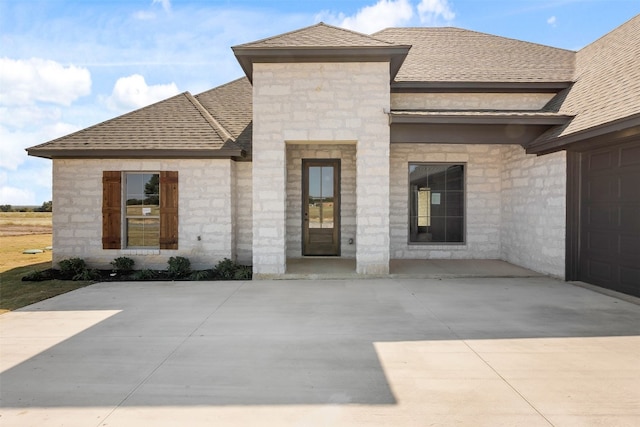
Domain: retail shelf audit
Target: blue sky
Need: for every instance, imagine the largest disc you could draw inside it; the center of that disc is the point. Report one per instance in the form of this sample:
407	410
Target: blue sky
66	65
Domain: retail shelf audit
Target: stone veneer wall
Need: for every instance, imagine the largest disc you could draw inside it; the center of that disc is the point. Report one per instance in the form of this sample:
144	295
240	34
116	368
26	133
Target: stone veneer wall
470	101
205	209
515	205
243	216
320	102
483	184
347	154
533	210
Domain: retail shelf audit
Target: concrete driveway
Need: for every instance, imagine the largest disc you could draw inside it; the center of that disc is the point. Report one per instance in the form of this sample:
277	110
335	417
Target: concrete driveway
386	352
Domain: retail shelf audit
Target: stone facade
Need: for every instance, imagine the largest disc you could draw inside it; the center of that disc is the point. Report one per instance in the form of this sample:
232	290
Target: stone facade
206	212
347	155
317	103
244	217
470	101
482	174
515	205
533	210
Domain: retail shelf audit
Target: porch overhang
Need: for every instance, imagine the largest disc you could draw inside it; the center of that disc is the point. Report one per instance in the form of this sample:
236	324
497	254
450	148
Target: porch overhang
471	127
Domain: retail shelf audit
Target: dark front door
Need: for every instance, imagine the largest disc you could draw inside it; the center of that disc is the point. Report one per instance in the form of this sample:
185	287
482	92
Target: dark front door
321	207
610	218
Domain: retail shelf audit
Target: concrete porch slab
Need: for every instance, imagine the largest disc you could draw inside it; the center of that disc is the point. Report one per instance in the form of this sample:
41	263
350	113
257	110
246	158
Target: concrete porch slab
345	268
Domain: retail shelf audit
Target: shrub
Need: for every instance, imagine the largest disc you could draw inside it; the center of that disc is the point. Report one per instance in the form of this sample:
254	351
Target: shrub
87	274
123	264
38	276
201	275
229	270
178	267
69	268
144	275
244	272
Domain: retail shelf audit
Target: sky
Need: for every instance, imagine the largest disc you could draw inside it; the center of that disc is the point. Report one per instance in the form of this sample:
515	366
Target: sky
66	65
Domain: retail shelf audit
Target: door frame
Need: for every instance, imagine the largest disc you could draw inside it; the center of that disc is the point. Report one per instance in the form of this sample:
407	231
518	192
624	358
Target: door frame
306	163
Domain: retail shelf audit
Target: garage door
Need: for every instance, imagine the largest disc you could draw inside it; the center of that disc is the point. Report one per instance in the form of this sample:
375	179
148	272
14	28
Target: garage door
610	218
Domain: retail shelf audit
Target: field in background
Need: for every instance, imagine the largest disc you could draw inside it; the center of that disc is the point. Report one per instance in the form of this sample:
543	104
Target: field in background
20	231
21	223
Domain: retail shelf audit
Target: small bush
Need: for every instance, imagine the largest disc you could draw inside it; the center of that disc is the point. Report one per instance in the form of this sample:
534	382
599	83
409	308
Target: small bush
69	268
123	264
230	270
244	272
87	274
144	275
201	275
38	276
178	267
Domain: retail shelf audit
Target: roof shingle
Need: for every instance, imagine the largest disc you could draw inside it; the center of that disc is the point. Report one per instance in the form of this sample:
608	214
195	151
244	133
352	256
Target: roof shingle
457	55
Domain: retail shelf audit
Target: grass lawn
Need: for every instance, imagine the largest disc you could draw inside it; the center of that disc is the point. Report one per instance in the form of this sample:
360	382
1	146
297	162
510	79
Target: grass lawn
14	293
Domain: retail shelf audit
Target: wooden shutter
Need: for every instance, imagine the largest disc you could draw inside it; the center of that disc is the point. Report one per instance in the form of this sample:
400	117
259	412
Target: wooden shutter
169	210
111	209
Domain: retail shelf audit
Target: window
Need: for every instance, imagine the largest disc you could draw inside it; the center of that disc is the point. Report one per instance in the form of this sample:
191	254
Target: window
150	215
142	214
436	203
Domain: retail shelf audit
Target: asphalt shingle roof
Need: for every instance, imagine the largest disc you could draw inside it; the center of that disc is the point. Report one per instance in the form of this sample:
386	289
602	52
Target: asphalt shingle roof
457	55
319	35
607	81
177	123
232	106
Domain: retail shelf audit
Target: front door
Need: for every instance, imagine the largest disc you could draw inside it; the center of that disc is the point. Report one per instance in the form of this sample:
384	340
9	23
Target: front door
321	207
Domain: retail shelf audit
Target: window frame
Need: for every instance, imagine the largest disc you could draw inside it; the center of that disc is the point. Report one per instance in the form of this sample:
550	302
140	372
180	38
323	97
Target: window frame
126	216
113	194
430	192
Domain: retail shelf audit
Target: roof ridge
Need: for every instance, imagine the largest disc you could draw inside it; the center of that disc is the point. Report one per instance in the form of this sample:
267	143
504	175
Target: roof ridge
319	24
221	86
209	117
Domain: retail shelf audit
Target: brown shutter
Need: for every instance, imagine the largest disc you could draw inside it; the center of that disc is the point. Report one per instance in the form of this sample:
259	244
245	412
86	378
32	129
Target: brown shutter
111	215
169	210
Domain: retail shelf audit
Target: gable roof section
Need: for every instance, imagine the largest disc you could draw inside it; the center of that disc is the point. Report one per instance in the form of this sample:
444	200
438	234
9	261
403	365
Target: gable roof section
176	127
320	43
606	94
232	106
318	35
453	55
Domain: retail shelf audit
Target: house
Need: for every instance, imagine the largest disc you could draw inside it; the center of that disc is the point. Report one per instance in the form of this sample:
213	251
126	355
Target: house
411	143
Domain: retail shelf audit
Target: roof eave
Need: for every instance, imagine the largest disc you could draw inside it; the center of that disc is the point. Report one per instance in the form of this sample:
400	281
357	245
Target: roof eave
474	87
136	154
247	56
622	129
400	118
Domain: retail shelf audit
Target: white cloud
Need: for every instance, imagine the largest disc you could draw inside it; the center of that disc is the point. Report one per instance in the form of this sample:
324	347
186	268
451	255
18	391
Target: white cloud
26	81
369	19
133	92
144	15
432	12
166	4
552	21
17	196
12	154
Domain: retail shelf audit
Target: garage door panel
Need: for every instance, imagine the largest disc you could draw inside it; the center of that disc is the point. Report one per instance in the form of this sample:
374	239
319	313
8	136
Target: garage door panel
630	217
629	185
630	156
628	251
603	216
602	189
599	242
600	161
629	278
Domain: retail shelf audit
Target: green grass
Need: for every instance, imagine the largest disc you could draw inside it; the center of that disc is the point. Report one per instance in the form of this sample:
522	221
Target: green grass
14	293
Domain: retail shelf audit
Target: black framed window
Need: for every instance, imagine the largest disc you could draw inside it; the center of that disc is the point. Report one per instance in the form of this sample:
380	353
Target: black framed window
436	203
